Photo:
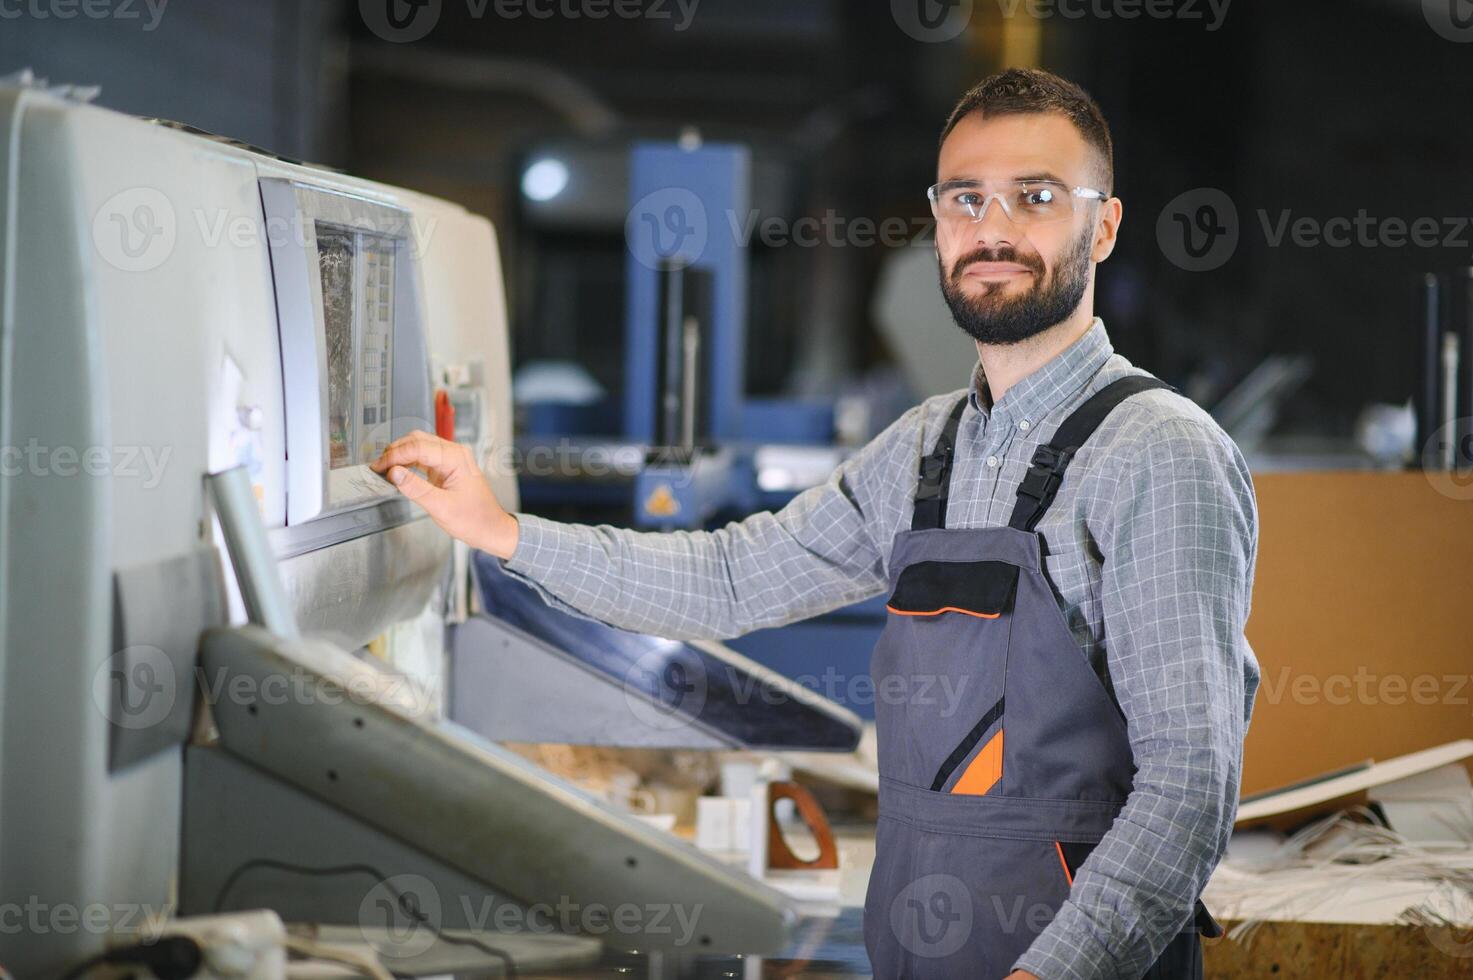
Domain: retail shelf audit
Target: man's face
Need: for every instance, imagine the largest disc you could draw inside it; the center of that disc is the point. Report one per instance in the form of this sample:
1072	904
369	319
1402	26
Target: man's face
1006	281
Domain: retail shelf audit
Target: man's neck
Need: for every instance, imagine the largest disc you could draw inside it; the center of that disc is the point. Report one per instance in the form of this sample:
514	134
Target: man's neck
1007	364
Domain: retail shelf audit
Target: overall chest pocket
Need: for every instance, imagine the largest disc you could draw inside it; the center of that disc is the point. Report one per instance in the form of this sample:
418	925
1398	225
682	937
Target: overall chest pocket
981	589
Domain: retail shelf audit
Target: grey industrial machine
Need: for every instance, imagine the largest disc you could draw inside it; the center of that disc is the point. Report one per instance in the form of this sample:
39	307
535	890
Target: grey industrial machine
228	692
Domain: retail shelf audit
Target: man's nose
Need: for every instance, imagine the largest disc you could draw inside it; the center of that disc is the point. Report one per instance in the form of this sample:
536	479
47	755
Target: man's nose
994	227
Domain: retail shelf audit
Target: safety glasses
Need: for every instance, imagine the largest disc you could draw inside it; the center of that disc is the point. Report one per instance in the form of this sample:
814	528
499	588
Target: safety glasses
1025	202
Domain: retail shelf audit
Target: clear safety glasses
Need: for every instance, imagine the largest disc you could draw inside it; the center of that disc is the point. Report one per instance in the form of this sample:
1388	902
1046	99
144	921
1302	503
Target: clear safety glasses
1025	202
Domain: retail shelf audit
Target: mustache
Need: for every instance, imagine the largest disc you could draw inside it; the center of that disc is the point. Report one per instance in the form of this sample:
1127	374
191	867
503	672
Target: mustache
1033	262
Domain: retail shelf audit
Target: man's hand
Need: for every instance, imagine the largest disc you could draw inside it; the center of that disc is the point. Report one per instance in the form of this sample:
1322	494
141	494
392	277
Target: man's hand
456	495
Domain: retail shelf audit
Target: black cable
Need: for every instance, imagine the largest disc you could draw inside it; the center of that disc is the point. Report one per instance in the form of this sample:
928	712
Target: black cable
408	904
167	958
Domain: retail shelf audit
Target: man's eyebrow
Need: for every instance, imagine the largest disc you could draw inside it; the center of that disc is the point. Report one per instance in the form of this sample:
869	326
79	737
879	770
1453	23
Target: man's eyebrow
1035	176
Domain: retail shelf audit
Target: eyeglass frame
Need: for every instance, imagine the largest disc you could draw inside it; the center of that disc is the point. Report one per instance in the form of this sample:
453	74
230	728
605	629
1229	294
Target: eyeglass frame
1080	191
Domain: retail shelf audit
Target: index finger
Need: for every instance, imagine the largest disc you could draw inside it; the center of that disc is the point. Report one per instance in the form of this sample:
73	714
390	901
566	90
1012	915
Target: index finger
416	449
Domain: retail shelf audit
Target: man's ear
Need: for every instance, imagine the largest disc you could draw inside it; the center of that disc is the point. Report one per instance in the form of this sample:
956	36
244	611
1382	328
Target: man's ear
1107	227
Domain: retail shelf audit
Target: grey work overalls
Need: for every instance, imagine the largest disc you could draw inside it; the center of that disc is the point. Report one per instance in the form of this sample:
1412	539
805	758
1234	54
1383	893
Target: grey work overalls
980	832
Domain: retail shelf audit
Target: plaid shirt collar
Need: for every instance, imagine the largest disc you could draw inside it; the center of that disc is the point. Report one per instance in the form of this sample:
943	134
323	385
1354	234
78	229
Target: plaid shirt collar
1033	397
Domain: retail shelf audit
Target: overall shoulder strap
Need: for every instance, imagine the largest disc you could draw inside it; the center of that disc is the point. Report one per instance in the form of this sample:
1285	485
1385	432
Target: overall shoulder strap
1046	470
935	482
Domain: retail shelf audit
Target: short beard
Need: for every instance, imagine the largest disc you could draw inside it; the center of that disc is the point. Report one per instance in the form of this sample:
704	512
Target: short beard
998	321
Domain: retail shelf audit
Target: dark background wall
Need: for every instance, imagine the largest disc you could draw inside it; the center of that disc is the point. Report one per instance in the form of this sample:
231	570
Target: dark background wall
271	72
1318	107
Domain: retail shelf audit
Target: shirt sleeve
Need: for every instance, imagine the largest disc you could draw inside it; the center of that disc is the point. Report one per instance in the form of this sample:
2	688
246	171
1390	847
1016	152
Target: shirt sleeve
820	552
1179	547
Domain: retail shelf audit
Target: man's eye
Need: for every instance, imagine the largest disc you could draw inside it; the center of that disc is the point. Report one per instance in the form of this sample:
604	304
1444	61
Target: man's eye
966	199
1037	197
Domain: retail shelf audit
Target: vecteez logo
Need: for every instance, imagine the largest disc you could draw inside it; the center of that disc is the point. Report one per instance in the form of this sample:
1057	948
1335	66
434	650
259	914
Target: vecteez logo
1451	19
403	21
400	21
1198	230
932	916
1455	484
136	687
400	916
123	10
667	226
135	230
932	21
1450	939
666	688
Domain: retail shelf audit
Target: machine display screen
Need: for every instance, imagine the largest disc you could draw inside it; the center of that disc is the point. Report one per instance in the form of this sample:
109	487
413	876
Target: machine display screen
357	272
355	365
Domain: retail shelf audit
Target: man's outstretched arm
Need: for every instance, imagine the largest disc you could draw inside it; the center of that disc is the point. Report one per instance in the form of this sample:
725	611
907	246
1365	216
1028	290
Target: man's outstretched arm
819	552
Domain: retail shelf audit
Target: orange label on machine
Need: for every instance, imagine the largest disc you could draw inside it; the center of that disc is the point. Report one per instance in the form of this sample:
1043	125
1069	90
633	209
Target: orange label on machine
662	502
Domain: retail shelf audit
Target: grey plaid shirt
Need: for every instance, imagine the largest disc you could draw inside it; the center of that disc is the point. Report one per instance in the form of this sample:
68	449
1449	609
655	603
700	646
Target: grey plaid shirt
1151	546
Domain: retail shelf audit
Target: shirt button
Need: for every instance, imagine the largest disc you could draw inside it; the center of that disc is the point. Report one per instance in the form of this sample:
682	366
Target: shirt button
1024	424
992	461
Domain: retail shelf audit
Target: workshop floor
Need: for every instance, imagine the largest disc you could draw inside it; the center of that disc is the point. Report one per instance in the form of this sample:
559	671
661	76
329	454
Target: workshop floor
827	944
824	947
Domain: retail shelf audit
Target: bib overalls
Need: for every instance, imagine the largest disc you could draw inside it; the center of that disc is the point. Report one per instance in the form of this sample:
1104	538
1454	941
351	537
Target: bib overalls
1003	758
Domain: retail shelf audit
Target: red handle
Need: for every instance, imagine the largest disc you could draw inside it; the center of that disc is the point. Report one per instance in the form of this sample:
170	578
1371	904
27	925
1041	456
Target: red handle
444	415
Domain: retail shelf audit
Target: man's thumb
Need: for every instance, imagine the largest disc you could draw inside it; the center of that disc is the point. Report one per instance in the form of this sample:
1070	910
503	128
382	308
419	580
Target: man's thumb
412	485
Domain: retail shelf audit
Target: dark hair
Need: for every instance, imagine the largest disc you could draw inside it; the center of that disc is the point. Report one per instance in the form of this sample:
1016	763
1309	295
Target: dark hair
1026	90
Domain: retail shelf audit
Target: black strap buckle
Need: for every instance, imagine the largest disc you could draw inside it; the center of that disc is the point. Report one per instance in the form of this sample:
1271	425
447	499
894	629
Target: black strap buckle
933	466
930	499
933	473
1045	472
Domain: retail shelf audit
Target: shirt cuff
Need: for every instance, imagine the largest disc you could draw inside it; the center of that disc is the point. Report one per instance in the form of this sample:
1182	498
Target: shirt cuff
1068	950
542	560
540	542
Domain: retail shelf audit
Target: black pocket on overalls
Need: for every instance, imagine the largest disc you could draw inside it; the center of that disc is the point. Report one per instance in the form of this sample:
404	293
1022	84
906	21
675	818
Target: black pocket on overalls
1072	855
1182	957
975	588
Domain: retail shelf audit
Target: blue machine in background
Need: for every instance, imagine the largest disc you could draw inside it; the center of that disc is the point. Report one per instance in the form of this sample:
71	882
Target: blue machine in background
685	330
695	449
682	200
